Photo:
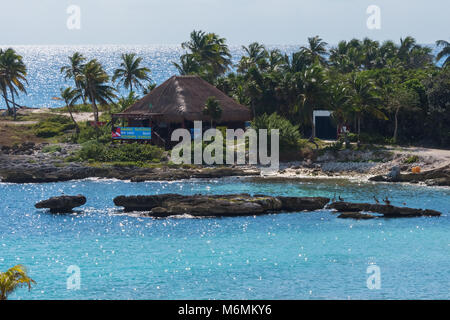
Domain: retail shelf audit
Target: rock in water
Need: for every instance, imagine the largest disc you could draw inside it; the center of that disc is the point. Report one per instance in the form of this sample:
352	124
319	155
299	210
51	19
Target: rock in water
387	211
356	215
217	205
61	204
303	203
394	174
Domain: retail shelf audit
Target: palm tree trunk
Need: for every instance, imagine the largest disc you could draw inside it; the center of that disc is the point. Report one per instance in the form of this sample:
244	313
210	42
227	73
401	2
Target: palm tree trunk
80	87
5	96
359	130
94	107
69	108
14	106
313	129
396	125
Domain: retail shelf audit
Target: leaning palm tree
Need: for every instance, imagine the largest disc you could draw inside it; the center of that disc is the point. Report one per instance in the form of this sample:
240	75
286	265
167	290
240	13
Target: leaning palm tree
130	72
13	279
444	53
13	74
212	109
95	85
4	83
73	69
70	96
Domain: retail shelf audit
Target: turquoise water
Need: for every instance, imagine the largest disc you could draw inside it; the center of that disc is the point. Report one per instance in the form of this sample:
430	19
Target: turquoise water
287	256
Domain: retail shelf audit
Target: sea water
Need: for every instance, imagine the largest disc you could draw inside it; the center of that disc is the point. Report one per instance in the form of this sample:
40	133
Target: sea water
44	64
300	255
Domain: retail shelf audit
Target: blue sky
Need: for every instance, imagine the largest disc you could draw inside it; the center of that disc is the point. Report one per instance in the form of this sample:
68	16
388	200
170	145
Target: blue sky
240	21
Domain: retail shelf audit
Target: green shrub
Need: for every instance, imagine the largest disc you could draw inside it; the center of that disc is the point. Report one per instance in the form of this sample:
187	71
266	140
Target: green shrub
133	152
411	159
53	126
352	137
289	134
90	133
51	149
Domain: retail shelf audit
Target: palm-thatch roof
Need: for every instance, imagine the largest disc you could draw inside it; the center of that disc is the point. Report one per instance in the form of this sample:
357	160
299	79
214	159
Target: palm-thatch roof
183	98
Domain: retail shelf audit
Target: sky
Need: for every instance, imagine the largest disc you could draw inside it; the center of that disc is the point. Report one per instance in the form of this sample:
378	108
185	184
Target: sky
272	22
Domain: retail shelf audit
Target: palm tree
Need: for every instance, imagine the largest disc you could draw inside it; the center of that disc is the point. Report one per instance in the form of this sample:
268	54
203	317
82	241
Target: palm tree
188	65
13	279
413	55
364	99
210	52
313	87
95	85
70	96
73	70
370	51
13	74
276	59
316	50
148	88
406	46
256	56
4	83
212	109
444	53
130	72
339	103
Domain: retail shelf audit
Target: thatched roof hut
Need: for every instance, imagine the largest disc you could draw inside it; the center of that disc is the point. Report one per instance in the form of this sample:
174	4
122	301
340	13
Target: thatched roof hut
183	98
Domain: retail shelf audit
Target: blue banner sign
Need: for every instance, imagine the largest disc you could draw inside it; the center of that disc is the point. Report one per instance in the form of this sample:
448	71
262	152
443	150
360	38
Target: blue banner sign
132	133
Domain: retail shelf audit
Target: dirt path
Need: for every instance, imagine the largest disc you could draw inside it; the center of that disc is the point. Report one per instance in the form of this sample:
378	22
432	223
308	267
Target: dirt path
78	116
433	158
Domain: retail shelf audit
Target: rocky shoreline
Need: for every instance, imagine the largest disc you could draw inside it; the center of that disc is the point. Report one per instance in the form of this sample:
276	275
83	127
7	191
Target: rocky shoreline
31	163
134	174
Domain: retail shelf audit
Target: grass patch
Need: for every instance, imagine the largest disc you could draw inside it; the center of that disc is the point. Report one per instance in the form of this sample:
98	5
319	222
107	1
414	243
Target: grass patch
53	126
411	159
51	149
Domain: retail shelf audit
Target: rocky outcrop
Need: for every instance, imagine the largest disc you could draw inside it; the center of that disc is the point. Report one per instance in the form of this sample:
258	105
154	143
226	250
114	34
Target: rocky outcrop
216	205
61	204
356	215
72	171
435	177
387	211
303	203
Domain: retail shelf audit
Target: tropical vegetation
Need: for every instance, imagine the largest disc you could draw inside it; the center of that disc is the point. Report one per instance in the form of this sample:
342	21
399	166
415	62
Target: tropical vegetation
12	279
381	91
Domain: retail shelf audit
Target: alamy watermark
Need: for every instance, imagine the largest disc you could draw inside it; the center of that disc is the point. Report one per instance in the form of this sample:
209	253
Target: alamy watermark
74	280
373	281
74	19
374	19
192	150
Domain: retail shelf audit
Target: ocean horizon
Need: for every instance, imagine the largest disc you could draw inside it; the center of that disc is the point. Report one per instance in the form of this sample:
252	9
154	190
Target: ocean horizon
45	61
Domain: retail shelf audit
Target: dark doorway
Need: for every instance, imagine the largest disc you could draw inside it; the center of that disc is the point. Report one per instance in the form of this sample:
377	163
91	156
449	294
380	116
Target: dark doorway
325	128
